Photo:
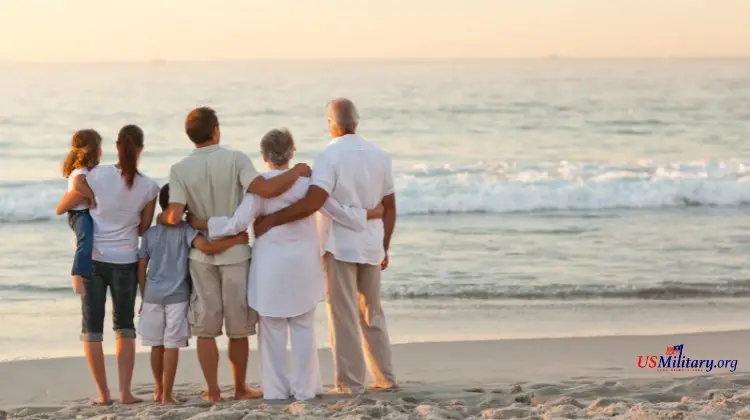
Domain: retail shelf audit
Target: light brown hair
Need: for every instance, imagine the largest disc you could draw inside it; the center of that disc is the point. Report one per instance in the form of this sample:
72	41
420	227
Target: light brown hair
84	151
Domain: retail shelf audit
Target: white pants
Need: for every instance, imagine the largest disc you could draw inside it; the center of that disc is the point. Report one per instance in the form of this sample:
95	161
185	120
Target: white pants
164	325
272	339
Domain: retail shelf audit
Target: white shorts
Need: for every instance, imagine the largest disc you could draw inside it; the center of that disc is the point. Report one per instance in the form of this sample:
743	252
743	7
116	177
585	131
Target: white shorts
164	325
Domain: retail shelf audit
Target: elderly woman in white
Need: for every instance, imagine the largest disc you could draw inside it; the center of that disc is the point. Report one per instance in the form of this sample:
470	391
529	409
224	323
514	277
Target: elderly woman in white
286	274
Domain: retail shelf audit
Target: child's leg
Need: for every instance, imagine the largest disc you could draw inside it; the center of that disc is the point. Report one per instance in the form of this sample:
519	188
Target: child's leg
176	335
83	226
306	380
171	358
151	327
272	339
157	369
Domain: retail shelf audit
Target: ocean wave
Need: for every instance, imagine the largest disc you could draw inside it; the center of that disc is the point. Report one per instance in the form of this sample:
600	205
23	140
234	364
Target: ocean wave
497	291
35	289
512	187
503	187
568	292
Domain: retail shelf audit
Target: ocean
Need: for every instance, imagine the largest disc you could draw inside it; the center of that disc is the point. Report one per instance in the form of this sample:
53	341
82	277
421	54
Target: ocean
536	198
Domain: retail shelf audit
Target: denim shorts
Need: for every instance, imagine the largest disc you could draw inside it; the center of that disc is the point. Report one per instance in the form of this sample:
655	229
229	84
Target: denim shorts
122	281
80	222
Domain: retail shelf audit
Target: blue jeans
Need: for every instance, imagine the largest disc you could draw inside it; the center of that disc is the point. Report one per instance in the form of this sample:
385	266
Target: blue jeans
122	282
81	223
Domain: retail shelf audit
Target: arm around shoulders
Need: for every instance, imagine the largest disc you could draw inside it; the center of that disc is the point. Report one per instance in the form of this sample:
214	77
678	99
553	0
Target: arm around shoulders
274	187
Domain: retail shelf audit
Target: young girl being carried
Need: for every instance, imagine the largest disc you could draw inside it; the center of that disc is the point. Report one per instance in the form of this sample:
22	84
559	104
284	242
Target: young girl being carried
85	152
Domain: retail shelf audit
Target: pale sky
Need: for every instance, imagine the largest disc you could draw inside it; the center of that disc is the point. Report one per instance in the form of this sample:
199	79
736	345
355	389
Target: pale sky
197	30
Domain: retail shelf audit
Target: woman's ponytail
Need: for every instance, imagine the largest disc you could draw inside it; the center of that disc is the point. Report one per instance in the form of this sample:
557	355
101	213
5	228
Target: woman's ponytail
129	143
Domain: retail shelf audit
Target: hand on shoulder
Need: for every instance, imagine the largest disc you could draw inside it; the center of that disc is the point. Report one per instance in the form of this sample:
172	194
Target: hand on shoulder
303	169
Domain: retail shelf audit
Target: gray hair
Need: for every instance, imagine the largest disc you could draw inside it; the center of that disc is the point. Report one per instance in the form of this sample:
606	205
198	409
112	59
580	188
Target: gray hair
277	146
343	115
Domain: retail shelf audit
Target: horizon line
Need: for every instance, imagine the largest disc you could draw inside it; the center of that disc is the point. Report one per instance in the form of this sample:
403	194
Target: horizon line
385	59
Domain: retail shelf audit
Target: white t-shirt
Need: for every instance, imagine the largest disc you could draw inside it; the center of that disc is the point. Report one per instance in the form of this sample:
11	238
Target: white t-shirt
117	215
355	173
71	186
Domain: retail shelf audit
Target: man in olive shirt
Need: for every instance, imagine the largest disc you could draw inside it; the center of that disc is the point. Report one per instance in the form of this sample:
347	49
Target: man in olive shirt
211	182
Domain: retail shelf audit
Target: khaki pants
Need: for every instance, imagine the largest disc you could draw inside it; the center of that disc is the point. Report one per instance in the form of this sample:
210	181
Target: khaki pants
353	298
220	297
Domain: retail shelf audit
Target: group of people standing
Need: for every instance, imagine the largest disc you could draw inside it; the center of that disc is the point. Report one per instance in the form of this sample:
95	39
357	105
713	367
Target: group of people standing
198	276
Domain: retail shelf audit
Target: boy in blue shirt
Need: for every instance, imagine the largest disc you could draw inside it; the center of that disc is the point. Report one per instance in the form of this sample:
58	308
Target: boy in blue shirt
165	293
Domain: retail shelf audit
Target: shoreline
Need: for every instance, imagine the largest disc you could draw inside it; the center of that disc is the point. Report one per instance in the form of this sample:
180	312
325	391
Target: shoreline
43	331
324	348
492	374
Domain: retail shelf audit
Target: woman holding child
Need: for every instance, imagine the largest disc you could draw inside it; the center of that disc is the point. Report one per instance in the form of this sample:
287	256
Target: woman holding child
286	275
125	203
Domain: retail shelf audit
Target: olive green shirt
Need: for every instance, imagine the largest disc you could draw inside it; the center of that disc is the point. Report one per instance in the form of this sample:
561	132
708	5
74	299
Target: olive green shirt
212	181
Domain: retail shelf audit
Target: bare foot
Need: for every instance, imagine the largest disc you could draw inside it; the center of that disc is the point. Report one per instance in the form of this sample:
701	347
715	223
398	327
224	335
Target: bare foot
211	396
345	391
104	399
157	396
101	402
168	400
384	387
130	399
248	394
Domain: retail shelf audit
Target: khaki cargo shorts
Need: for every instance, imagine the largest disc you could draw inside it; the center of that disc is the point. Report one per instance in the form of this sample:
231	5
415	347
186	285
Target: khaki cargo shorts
219	298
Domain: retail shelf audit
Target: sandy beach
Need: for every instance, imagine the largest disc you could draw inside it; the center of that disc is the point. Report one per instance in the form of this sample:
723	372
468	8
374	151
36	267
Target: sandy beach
527	379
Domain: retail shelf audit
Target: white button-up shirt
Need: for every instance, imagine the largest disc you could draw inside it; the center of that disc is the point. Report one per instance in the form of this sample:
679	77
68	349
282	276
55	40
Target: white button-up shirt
355	173
286	272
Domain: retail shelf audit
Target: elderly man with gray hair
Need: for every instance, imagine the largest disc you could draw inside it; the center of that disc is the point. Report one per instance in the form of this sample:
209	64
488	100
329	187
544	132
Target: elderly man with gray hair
356	173
285	282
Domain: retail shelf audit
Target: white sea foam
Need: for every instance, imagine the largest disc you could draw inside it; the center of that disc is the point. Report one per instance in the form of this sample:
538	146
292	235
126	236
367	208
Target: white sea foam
509	187
505	187
661	291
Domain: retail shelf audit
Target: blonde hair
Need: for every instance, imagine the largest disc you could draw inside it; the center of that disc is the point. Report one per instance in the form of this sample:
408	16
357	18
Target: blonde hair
84	151
277	146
